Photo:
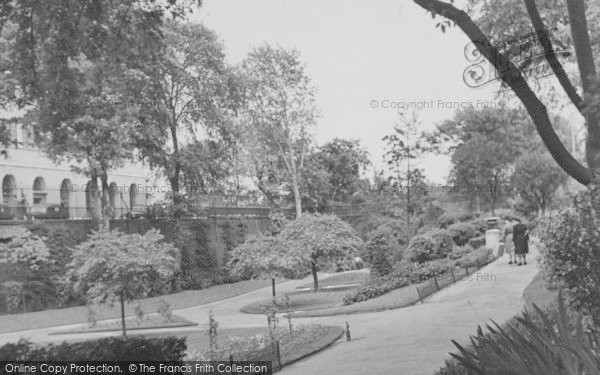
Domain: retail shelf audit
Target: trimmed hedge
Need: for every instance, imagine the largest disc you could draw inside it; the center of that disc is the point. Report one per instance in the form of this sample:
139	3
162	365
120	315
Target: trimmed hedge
104	349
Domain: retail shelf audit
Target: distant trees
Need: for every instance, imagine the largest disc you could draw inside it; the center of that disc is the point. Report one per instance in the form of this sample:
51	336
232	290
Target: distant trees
484	144
405	146
536	179
334	174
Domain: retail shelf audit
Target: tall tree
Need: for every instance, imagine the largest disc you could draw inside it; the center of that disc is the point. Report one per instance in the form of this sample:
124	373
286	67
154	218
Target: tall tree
484	144
512	75
281	111
192	99
333	173
404	147
536	179
70	64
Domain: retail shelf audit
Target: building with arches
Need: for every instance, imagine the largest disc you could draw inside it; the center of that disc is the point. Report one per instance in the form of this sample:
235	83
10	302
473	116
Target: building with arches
35	187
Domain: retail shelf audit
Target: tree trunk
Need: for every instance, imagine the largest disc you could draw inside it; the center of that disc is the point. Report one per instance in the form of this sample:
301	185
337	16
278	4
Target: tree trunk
122	300
297	199
314	275
95	198
106	209
587	72
512	76
177	200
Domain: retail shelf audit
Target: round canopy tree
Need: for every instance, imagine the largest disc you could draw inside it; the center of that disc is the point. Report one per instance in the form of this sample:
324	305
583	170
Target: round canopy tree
313	239
113	266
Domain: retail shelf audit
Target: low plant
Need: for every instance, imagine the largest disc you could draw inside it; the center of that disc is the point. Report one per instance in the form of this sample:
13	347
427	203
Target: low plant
164	310
136	348
571	253
538	343
420	248
461	233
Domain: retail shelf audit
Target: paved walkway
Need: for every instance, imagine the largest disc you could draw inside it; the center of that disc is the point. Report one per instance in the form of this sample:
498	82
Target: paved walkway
413	340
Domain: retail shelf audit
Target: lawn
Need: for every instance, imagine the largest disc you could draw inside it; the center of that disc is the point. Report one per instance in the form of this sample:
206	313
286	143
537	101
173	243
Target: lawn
150	321
335	287
74	315
345	278
301	301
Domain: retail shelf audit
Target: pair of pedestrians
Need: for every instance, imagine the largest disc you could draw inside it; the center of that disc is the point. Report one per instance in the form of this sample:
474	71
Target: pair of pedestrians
516	242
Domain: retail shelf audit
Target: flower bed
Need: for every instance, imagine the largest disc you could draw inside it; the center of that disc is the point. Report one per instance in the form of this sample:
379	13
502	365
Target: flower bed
150	321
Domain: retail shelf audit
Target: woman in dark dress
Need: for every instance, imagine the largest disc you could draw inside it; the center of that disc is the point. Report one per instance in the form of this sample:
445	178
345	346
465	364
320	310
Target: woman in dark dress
520	240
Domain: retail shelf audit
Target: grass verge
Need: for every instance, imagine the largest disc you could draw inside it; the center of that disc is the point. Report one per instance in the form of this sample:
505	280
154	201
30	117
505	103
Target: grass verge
152	321
345	278
78	314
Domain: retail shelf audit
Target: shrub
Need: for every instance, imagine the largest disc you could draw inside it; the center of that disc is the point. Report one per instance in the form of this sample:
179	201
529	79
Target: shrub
443	243
421	248
570	249
479	225
477	242
475	258
375	289
461	233
197	262
380	248
460	252
446	220
106	349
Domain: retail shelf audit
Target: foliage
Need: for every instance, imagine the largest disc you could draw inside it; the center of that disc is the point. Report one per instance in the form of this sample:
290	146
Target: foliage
536	178
333	174
404	148
443	242
461	233
571	253
480	225
374	289
477	242
421	248
381	248
74	74
281	113
111	265
276	224
447	219
197	262
164	310
311	240
534	343
484	143
475	258
259	257
135	348
25	265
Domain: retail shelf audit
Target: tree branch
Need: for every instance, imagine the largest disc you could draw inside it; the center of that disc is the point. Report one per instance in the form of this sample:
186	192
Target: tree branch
557	68
515	80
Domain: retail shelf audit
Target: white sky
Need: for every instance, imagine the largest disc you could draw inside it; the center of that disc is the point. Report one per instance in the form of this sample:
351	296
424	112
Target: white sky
356	52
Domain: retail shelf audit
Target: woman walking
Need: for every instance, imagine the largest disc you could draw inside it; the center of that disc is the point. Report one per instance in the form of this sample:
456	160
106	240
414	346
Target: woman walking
521	242
507	240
